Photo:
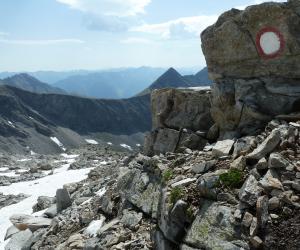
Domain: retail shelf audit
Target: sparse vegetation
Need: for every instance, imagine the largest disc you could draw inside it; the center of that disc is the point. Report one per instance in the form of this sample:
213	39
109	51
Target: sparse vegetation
167	175
176	194
232	179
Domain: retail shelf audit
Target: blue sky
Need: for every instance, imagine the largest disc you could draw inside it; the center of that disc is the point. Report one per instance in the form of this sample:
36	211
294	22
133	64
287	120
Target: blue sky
96	34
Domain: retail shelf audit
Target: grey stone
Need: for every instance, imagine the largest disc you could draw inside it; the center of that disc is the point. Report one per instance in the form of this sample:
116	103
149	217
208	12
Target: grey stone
18	240
239	163
108	226
243	146
277	161
212	228
136	188
247	220
253	227
184	182
262	213
181	108
43	202
203	167
274	203
63	199
262	164
22	222
250	191
256	242
207	184
71	187
131	218
10	232
267	146
270	181
51	212
161	242
222	148
172	223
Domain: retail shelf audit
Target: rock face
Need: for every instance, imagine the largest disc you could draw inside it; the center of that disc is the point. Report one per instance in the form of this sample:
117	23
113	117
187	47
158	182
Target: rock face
180	118
253	59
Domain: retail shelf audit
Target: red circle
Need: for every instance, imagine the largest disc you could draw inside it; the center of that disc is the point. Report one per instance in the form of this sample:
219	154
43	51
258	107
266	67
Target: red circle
260	49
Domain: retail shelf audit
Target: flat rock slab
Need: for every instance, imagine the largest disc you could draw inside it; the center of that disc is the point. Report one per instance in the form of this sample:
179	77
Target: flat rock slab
18	240
267	146
222	148
23	222
184	182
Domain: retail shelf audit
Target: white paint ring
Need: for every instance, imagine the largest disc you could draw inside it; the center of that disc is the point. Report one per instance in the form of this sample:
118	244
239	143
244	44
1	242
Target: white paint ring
270	43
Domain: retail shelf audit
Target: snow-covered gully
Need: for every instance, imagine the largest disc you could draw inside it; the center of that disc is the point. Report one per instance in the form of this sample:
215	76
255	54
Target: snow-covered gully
45	186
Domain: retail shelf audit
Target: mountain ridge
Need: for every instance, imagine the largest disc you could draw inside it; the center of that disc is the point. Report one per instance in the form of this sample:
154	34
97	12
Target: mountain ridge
29	83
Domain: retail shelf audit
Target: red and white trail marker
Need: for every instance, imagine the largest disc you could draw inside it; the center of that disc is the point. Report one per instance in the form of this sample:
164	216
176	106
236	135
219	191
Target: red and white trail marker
270	42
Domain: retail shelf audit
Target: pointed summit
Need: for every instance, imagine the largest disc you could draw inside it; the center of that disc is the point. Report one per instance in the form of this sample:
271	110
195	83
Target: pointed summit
171	78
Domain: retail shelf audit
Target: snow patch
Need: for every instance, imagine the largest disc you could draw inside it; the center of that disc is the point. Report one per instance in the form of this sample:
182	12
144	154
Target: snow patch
10	174
58	143
94	226
11	124
101	192
109	143
24	160
91	141
126	146
4	169
32	153
69	156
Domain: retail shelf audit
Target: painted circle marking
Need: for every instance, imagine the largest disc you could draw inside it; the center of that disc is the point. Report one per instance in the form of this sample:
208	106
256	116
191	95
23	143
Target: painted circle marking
270	42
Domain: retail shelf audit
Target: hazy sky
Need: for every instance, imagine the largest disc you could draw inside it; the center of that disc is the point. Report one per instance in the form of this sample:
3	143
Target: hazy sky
96	34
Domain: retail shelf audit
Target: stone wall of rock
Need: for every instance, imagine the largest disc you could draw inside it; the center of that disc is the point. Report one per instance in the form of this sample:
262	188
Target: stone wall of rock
254	60
180	118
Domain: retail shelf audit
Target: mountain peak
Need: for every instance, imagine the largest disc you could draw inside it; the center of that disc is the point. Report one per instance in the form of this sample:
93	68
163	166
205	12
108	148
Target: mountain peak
171	78
27	82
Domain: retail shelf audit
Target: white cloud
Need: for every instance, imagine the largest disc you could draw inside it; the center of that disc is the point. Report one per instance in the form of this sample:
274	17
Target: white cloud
181	28
137	40
41	42
118	8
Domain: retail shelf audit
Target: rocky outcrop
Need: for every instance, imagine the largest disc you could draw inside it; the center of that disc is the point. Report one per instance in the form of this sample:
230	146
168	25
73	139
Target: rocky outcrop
253	59
180	118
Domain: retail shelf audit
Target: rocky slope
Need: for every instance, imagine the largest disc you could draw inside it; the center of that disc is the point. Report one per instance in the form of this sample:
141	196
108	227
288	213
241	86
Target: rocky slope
233	195
31	120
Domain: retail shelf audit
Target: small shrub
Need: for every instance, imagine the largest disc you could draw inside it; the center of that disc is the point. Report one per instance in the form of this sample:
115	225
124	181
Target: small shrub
190	213
176	194
167	175
233	178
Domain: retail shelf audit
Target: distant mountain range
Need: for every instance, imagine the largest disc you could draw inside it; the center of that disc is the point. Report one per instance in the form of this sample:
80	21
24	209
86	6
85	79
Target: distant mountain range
114	84
29	83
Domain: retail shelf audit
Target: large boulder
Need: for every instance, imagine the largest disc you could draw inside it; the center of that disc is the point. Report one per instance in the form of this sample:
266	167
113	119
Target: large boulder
213	228
23	222
180	118
254	60
181	108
